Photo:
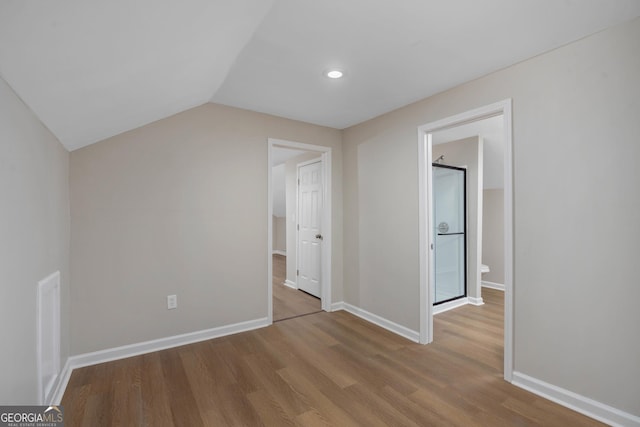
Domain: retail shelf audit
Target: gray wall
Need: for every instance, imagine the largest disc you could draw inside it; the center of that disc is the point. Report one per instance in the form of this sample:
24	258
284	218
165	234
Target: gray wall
34	240
279	242
576	282
178	207
493	235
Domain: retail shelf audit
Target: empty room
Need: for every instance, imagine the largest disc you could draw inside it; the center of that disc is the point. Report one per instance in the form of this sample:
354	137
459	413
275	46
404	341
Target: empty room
288	212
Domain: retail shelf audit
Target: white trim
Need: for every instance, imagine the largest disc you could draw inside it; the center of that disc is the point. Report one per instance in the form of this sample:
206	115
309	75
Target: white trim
491	285
425	220
326	231
450	305
476	301
279	252
509	313
290	284
283	143
326	155
425	223
61	384
477	285
377	320
589	407
337	306
382	322
269	236
130	350
117	353
48	331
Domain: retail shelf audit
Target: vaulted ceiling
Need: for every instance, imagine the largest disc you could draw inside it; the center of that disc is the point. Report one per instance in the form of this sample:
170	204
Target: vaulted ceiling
91	69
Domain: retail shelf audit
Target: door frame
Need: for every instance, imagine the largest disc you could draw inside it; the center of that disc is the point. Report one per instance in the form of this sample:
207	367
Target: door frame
325	154
427	278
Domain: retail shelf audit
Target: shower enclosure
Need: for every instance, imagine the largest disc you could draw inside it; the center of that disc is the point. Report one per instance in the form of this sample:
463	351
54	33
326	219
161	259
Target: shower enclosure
450	214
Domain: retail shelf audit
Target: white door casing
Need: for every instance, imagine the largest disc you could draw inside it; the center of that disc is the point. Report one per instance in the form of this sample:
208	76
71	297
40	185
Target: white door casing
427	278
325	154
310	201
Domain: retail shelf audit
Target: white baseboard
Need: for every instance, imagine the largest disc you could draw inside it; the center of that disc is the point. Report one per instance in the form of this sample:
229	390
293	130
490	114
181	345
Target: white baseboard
279	252
110	354
337	306
498	286
130	350
61	384
446	306
290	284
589	407
377	320
475	301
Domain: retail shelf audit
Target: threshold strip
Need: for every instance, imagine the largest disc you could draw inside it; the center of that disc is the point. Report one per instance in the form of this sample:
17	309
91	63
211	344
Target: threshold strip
298	315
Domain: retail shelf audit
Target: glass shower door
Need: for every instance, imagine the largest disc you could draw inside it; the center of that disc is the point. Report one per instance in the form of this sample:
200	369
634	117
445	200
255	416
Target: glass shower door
449	208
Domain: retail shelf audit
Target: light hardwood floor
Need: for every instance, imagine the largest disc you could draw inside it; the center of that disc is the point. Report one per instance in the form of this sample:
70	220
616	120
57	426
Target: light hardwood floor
288	302
322	369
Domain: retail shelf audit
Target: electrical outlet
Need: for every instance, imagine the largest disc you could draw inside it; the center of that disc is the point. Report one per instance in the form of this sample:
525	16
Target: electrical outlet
172	302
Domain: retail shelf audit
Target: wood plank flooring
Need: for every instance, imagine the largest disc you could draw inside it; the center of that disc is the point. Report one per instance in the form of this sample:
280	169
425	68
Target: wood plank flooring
288	302
330	369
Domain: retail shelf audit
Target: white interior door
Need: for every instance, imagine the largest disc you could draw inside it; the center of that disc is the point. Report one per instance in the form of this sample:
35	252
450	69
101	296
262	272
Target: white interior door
310	199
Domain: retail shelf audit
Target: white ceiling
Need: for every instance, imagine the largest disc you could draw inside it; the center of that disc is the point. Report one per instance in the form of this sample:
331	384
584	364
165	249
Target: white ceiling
91	69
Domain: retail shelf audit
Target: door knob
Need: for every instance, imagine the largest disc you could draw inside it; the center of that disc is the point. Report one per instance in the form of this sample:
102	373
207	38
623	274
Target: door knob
319	236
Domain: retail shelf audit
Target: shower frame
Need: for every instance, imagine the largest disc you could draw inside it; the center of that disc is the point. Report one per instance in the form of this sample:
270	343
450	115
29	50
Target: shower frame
464	251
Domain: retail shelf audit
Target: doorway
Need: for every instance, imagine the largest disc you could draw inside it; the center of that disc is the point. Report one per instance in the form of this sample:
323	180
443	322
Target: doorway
307	220
427	227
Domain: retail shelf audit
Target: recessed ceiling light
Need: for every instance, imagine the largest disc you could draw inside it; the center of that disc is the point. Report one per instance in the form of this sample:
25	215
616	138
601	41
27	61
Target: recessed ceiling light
334	73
